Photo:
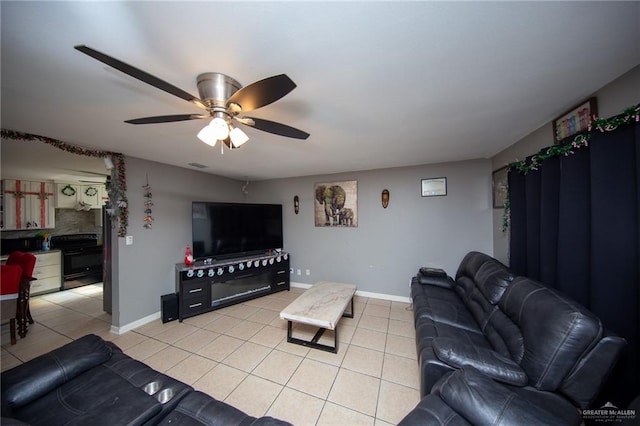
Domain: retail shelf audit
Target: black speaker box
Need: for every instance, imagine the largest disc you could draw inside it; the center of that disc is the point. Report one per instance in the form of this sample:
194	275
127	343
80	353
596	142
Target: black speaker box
169	304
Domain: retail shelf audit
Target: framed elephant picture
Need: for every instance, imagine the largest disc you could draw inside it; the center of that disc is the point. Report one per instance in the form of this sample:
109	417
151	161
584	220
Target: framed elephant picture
336	204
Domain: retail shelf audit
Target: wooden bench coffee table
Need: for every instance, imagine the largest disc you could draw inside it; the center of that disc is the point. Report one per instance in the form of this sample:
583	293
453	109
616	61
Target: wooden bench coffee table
321	306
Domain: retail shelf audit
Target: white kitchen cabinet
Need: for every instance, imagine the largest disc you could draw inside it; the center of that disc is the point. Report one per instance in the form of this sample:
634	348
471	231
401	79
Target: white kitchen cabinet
67	195
72	196
41	205
27	205
48	271
92	195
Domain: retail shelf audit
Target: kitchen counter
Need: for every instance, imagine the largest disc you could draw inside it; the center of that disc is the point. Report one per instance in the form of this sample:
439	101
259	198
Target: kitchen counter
4	257
47	272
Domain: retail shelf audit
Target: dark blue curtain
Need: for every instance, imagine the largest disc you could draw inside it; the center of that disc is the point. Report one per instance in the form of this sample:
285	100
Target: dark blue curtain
575	226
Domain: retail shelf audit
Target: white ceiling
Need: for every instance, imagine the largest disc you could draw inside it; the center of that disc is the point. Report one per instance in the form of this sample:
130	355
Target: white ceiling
380	84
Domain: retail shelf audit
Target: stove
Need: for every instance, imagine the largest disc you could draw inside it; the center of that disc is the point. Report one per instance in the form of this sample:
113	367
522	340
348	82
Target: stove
81	259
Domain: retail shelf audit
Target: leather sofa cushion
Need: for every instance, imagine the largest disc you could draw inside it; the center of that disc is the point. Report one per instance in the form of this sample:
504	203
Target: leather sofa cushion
143	377
421	292
446	282
449	313
97	397
427	329
431	367
198	409
556	332
493	278
470	264
460	354
27	382
9	421
482	401
435	303
432	411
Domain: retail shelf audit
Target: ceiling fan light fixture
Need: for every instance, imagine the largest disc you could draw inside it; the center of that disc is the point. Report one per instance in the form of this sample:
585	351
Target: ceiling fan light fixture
219	128
207	135
238	137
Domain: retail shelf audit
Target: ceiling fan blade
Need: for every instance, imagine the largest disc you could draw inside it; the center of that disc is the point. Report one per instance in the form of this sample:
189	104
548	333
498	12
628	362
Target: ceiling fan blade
278	128
140	75
166	118
263	92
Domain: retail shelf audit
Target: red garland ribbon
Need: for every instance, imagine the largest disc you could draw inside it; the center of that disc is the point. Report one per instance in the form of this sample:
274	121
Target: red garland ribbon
43	195
43	210
18	207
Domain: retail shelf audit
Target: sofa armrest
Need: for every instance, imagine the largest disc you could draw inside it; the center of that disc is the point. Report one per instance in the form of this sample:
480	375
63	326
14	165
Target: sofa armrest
432	411
41	375
459	354
445	282
482	401
589	375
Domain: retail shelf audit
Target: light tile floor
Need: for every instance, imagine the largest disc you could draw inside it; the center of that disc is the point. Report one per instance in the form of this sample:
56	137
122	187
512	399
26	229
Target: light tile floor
240	355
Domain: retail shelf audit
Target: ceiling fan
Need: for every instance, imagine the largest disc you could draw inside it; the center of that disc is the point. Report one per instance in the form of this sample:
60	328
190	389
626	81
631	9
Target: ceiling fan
223	98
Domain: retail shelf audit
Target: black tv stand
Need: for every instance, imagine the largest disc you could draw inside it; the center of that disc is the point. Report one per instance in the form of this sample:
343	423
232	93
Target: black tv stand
204	287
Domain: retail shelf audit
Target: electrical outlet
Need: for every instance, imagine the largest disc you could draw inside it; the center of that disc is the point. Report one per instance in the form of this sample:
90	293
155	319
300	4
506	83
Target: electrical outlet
308	272
128	240
299	272
291	271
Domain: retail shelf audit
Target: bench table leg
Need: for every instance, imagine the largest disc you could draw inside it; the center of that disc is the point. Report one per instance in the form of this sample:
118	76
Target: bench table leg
313	343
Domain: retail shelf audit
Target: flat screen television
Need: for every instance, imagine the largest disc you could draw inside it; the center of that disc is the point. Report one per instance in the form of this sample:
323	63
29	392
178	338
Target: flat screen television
228	230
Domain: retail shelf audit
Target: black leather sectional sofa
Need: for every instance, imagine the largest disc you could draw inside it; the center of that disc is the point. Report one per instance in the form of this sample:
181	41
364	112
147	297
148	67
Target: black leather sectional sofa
92	382
498	349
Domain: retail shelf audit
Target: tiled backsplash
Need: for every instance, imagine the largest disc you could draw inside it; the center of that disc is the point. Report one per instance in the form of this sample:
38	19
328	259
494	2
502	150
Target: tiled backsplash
69	221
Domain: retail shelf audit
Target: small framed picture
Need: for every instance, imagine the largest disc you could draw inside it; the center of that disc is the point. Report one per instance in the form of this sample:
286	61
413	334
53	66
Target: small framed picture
574	121
499	184
434	187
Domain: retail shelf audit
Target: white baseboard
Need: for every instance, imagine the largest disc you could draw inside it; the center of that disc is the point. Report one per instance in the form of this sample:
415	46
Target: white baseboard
361	293
138	323
300	285
142	321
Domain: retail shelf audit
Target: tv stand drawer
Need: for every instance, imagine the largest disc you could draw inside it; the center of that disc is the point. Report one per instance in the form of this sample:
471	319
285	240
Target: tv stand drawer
196	289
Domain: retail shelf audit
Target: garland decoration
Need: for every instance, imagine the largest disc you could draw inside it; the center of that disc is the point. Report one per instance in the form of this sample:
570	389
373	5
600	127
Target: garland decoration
18	194
117	188
68	190
628	116
148	219
91	191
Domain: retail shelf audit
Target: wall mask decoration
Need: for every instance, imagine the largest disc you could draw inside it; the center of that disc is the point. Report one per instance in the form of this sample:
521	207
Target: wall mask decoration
336	204
385	198
296	204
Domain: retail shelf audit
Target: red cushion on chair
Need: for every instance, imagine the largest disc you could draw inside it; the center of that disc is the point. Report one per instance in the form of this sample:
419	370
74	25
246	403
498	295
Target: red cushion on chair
26	261
14	257
10	279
